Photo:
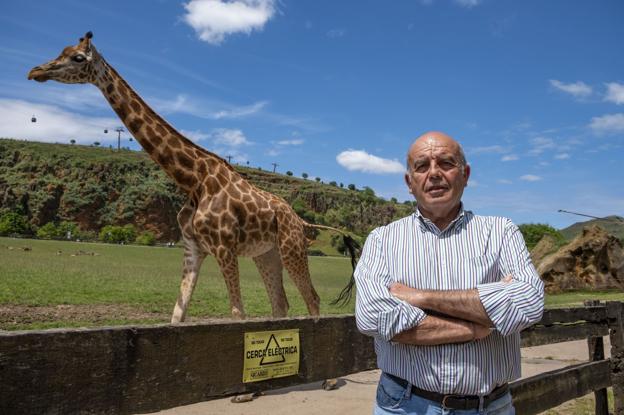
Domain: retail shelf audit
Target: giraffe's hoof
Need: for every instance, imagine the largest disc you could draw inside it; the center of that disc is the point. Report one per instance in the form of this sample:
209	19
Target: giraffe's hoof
330	384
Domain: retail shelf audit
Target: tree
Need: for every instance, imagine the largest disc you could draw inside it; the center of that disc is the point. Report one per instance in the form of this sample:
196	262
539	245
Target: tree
533	232
304	175
72	141
333	183
341	185
289	173
318	179
351	186
96	143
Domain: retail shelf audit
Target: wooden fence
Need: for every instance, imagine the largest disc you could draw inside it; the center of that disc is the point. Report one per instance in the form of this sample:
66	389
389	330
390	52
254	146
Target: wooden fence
127	370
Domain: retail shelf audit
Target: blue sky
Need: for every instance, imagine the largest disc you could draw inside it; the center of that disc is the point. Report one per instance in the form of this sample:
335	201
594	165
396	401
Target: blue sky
533	90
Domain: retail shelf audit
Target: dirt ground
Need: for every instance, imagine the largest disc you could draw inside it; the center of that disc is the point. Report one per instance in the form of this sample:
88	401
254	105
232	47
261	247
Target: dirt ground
356	392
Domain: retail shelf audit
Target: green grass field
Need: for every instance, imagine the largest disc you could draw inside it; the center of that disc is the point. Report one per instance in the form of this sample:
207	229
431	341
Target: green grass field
142	279
68	284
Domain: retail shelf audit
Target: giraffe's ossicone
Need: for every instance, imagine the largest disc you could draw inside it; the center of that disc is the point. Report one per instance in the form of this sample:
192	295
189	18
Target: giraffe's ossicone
224	215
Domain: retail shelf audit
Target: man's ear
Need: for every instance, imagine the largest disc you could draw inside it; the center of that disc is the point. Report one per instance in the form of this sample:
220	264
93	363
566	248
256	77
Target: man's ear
408	182
467	172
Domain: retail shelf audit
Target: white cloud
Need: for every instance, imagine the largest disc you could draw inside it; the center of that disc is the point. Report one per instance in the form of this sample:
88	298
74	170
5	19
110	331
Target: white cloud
238	112
608	124
293	142
576	89
207	109
213	20
229	137
562	156
540	144
359	160
195	135
334	33
53	123
509	157
530	178
504	181
468	3
488	150
615	93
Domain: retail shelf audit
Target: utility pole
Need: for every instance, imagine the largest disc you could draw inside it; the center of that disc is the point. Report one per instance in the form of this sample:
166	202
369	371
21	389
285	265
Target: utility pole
274	166
119	131
229	158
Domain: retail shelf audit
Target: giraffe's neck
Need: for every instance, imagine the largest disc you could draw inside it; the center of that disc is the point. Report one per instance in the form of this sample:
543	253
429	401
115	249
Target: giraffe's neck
176	154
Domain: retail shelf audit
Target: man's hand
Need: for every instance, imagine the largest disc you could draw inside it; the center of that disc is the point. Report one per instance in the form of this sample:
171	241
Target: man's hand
480	332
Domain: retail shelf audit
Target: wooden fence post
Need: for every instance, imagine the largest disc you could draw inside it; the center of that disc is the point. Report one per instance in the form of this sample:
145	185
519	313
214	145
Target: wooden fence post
596	352
615	313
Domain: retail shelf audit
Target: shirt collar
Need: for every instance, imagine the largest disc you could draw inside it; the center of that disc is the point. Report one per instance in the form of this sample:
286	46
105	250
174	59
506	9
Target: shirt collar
427	225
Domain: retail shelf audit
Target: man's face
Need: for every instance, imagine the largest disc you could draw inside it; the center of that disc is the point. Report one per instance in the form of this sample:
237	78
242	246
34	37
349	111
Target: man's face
436	176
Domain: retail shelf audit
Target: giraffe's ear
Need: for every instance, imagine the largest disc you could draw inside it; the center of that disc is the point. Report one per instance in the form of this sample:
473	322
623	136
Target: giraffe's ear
86	41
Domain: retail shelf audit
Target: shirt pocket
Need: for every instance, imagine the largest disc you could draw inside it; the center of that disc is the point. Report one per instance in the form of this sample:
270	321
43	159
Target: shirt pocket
477	270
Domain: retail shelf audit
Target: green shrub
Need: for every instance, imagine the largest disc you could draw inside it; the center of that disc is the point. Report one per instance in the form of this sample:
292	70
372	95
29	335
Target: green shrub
533	232
47	231
117	234
63	230
145	238
12	223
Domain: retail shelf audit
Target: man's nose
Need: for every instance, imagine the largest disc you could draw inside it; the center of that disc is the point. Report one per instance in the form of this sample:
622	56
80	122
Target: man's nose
434	170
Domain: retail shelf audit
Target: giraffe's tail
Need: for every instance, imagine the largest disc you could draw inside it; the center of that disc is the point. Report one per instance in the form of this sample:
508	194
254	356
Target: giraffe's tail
353	247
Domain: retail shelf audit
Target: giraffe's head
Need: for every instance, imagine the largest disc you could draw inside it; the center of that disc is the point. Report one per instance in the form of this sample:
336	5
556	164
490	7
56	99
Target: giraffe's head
75	64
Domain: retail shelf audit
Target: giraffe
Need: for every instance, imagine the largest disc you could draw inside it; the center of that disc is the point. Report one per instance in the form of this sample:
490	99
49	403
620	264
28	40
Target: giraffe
224	215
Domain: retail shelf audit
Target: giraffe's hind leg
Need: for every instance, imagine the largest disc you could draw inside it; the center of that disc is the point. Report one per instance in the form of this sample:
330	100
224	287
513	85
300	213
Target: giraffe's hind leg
294	252
270	266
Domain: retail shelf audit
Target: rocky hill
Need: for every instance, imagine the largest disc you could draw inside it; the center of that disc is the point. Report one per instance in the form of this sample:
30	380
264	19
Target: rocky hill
95	187
594	260
614	225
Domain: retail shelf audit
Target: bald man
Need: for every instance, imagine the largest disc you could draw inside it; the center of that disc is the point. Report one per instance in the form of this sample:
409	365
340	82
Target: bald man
445	293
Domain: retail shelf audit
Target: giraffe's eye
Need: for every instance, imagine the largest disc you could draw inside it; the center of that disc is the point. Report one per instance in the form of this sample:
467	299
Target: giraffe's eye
78	58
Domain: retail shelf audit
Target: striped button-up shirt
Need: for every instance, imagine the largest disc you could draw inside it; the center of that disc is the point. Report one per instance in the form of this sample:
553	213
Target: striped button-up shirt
472	252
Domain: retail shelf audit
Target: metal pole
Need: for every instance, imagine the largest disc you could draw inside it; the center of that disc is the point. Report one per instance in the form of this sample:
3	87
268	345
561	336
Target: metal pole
587	216
119	131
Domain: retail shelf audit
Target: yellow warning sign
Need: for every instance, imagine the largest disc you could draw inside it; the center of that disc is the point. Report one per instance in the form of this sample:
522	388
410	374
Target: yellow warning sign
271	354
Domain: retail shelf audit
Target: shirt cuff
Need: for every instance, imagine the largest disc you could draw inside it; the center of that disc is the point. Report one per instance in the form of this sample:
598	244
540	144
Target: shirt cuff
400	318
494	300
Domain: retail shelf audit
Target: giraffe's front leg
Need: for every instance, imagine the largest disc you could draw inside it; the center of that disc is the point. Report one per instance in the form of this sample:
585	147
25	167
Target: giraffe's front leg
228	263
193	259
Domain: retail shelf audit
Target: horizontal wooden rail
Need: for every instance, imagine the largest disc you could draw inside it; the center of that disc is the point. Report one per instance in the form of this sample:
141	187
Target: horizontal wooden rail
538	335
125	370
595	314
547	390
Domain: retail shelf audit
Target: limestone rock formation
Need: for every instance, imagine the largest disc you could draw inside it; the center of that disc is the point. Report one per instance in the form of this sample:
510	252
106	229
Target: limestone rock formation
546	246
594	260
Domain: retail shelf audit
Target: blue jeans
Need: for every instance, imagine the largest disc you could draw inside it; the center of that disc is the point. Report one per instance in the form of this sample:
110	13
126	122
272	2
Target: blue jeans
393	398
